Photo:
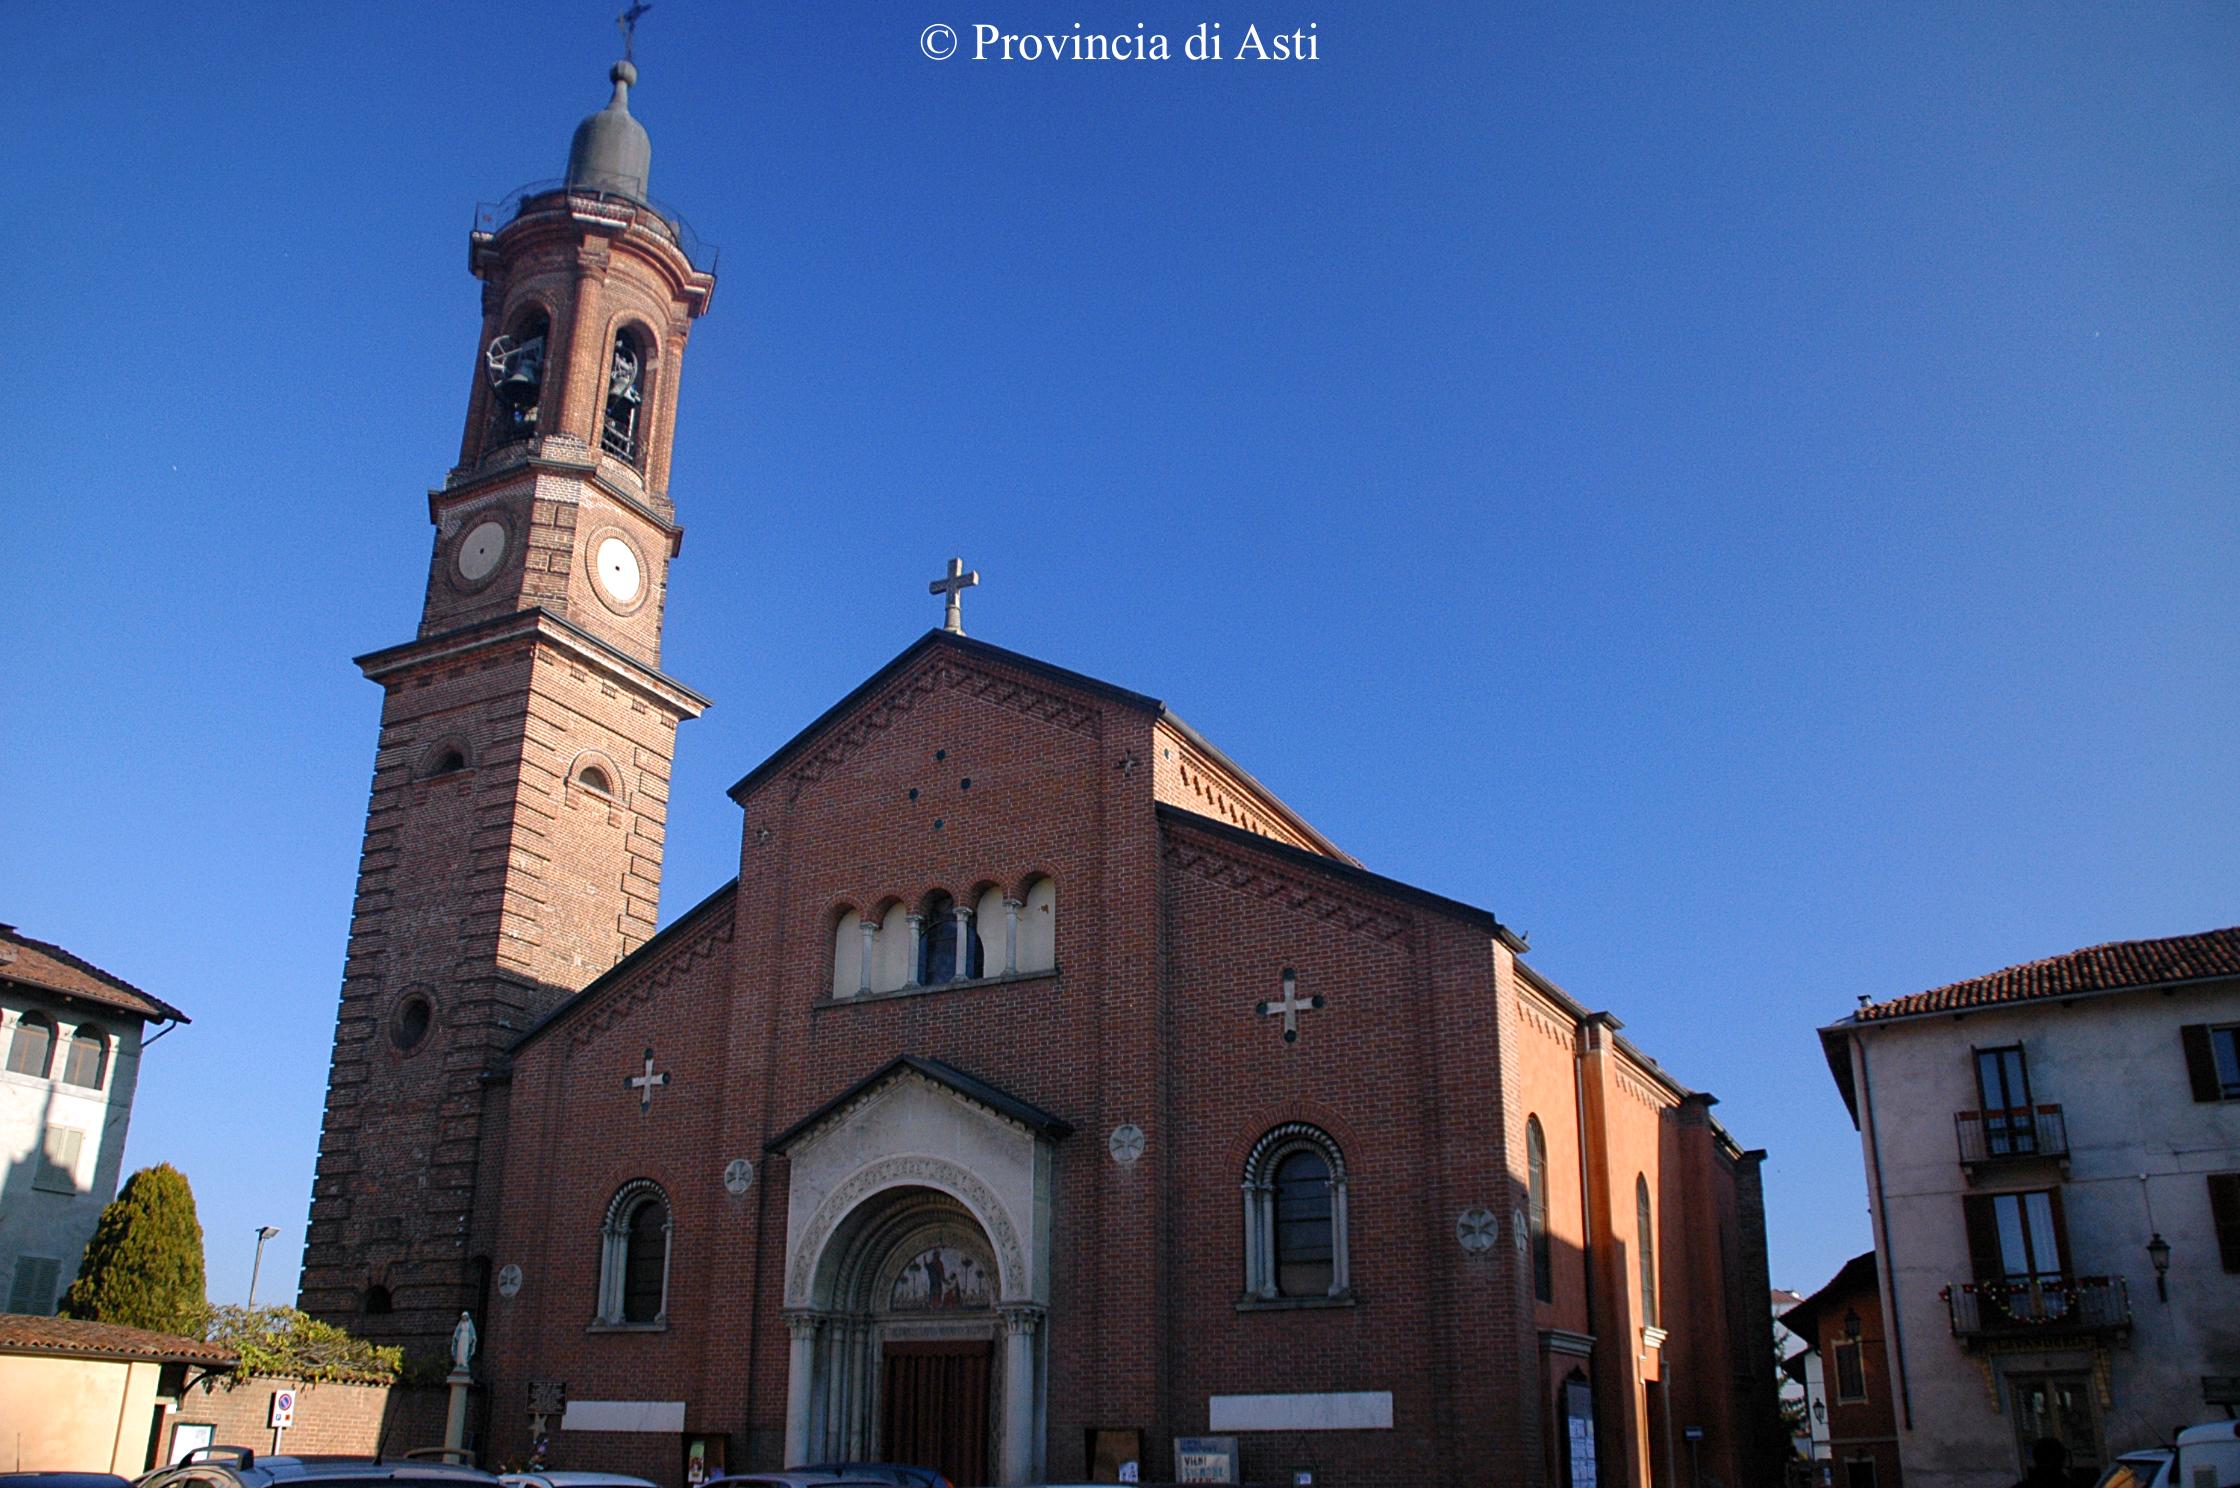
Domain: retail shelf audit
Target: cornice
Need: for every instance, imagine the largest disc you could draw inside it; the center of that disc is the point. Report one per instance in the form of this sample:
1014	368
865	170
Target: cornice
538	625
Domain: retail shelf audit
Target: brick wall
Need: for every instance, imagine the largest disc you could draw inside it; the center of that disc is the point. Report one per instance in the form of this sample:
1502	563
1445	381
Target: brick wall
337	1419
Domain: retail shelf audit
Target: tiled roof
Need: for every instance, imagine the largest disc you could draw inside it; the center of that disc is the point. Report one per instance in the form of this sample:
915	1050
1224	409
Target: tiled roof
35	963
2100	968
71	1338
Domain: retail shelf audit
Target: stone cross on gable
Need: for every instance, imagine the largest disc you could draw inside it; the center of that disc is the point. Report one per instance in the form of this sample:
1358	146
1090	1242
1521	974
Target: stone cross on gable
646	1084
1291	1005
952	619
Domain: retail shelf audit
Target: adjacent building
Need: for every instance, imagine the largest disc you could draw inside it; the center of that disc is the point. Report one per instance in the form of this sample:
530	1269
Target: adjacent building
2052	1156
72	1035
1845	1374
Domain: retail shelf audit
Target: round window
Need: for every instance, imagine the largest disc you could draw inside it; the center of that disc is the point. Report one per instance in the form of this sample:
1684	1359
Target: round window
408	1028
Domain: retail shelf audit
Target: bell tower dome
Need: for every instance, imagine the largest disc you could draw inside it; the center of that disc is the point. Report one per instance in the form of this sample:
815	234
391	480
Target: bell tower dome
513	841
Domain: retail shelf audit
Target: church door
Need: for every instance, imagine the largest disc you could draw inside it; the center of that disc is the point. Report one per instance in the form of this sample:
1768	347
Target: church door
934	1407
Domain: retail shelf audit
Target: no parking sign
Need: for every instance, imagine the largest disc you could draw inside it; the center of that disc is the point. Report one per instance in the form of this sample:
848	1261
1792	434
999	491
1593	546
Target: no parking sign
283	1409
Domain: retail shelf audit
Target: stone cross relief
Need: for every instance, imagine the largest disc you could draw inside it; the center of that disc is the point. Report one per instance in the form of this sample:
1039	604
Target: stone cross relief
646	1084
954	586
1291	1005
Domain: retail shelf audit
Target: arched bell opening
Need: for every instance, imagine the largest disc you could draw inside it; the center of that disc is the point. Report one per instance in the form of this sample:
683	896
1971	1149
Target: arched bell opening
514	366
906	1343
623	427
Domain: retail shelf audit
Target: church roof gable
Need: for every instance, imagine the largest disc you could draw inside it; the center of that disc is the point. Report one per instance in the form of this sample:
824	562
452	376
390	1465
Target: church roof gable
829	723
979	1092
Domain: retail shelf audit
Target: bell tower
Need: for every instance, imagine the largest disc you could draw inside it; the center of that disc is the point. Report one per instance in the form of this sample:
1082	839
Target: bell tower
520	789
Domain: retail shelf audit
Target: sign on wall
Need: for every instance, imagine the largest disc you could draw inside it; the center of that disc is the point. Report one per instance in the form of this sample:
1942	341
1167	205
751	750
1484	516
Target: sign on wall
1205	1459
283	1409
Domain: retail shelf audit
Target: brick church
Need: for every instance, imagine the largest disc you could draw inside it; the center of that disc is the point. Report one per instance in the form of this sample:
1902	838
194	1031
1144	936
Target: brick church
1044	1095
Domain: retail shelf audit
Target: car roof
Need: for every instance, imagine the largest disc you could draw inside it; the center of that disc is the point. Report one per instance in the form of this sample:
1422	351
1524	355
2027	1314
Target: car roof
572	1479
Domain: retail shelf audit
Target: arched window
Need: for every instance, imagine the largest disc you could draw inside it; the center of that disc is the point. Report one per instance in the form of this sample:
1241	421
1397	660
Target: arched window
378	1299
993	934
443	759
514	365
626	375
1536	1197
1038	927
86	1058
938	940
32	1046
1645	1224
593	778
847	952
1295	1216
634	1256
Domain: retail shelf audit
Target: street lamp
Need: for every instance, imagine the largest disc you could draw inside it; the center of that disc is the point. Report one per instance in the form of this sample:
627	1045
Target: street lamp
1851	1324
264	1233
2158	1251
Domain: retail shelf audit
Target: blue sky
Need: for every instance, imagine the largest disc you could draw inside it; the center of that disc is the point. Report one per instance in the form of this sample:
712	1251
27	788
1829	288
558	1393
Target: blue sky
1744	492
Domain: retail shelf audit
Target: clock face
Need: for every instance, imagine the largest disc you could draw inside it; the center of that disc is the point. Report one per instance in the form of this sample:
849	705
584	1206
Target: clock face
481	550
617	566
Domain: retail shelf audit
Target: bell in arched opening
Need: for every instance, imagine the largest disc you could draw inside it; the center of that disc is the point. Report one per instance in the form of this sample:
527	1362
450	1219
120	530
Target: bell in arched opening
625	398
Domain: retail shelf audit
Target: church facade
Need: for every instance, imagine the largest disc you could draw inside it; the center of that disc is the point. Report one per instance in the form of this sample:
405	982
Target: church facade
1043	1095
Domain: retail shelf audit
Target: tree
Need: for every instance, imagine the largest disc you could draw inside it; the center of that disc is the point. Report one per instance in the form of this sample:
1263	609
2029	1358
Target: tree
143	1268
282	1343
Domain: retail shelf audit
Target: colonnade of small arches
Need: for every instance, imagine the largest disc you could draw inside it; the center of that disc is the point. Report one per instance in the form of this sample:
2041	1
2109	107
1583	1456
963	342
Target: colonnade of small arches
991	931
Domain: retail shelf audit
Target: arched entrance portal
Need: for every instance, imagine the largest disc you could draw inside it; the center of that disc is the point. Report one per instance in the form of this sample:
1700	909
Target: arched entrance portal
907	1340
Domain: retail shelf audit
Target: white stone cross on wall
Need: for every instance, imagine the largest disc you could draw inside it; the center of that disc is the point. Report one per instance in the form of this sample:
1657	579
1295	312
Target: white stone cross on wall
1291	1005
952	618
646	1084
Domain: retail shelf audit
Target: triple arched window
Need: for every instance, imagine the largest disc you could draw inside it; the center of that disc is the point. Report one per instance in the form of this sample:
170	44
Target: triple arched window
1295	1217
993	932
634	1256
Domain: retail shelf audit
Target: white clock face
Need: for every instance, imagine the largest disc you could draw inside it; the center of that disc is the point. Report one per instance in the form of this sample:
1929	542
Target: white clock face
481	550
618	570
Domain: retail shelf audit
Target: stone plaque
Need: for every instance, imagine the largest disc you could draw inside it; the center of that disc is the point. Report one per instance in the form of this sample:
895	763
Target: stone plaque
1477	1229
509	1281
1126	1143
738	1176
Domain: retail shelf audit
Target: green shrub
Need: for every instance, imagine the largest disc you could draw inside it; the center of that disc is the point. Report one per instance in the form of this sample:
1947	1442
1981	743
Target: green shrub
143	1268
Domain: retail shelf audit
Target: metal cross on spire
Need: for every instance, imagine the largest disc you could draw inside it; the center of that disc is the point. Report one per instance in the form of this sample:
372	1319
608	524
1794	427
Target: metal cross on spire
627	24
952	619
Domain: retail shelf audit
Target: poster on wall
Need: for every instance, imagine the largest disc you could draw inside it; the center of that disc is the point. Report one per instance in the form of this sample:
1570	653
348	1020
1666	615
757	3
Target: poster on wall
1578	1430
1205	1459
190	1436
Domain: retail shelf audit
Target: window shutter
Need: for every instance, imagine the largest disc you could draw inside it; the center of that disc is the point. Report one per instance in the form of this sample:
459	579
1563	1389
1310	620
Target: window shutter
1983	1237
2224	1210
32	1291
2201	1063
2060	1232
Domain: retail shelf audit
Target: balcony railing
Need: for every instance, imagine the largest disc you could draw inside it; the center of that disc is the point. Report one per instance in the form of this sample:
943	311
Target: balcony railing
2002	1136
2049	1307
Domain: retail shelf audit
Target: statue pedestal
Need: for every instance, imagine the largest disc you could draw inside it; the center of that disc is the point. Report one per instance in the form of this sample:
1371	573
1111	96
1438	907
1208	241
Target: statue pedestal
455	1420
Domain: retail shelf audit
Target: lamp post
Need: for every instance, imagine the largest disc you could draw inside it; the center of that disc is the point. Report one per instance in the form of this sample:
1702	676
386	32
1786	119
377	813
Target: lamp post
264	1233
2158	1251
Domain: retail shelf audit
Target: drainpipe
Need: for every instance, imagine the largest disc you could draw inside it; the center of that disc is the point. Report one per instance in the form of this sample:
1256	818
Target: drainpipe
1892	1316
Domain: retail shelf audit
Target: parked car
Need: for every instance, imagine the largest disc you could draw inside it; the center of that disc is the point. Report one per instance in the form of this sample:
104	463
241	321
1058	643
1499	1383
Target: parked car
571	1480
2149	1467
240	1467
795	1477
895	1473
62	1480
2208	1456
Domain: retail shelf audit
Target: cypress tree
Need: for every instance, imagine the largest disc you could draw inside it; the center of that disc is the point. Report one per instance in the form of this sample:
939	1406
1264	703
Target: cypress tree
143	1268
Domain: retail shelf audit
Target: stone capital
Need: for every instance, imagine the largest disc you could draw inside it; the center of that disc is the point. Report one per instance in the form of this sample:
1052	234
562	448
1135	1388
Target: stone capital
1020	1319
804	1324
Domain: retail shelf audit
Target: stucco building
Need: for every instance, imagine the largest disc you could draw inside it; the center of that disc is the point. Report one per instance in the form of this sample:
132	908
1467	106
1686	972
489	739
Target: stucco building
2052	1156
1044	1093
72	1035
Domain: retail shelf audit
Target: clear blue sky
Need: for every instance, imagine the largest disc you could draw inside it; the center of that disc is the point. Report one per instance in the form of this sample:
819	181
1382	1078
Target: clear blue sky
1746	492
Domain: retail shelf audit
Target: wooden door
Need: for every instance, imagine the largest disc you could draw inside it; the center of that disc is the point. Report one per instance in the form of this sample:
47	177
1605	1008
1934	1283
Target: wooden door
933	1407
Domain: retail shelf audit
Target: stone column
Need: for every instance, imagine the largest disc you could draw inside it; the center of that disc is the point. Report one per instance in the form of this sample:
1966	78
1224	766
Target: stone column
582	403
800	1383
1019	1324
1010	936
1341	1269
1254	1268
1267	1193
917	944
965	934
863	972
